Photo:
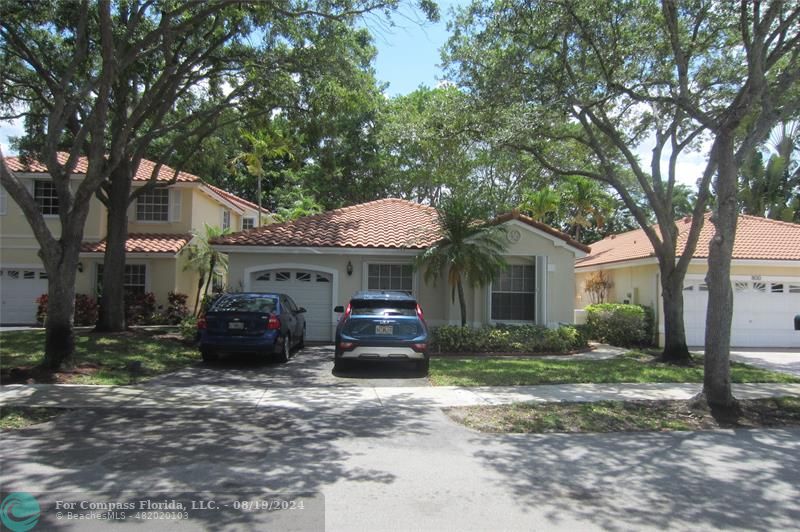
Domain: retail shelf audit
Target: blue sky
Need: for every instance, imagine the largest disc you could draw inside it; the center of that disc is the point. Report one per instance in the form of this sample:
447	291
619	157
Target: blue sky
408	53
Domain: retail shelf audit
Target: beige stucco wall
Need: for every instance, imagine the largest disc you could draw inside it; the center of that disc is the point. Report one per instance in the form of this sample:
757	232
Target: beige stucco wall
641	284
435	298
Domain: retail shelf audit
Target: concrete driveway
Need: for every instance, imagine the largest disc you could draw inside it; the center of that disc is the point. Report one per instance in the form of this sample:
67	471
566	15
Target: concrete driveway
776	359
309	367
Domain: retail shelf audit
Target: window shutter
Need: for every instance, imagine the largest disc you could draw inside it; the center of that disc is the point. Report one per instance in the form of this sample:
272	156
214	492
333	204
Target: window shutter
174	205
3	201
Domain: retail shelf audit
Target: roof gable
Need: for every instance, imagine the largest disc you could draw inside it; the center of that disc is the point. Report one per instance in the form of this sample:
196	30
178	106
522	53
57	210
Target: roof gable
756	239
388	223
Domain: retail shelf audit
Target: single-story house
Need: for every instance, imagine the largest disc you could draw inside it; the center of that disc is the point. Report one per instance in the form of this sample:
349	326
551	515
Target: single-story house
321	260
765	273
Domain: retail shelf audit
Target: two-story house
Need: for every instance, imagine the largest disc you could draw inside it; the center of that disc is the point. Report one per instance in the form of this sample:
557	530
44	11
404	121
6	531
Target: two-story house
160	225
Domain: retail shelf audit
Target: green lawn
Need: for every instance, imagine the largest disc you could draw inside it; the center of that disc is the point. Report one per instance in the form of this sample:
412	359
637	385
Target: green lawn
623	416
630	367
99	358
19	417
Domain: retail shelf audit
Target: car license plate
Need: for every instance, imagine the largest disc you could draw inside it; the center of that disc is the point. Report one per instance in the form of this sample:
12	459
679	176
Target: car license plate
384	329
236	325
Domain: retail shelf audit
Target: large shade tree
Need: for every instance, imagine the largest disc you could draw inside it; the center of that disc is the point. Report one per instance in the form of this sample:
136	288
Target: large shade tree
605	77
109	80
567	68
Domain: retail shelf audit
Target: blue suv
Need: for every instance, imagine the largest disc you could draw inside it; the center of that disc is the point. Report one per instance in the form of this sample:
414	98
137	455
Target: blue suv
252	322
381	326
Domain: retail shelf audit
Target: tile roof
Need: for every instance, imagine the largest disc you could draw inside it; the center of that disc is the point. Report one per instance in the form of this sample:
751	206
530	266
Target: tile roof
236	199
143	243
386	223
756	239
146	168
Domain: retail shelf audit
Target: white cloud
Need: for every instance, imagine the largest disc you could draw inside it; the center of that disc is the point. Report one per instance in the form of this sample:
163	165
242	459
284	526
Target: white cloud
9	129
690	165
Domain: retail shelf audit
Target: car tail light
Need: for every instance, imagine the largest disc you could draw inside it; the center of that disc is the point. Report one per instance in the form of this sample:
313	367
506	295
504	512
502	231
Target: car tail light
346	346
419	312
348	311
419	348
202	324
274	322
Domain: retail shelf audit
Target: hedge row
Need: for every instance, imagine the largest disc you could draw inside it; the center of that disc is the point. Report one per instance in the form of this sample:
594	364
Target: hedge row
507	339
619	324
140	309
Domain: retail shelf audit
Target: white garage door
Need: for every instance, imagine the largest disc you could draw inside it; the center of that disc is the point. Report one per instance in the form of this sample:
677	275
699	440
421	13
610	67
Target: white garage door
309	289
763	313
19	289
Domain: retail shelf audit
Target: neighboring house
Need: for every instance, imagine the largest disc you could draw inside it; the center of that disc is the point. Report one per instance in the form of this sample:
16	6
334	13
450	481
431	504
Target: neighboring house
160	223
765	273
321	260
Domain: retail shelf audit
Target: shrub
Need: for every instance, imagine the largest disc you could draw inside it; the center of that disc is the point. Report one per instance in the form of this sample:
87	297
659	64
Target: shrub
139	308
506	339
85	310
177	310
188	329
619	324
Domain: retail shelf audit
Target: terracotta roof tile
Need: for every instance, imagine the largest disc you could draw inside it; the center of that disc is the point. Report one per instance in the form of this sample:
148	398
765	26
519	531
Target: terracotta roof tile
146	168
386	223
236	199
143	243
756	238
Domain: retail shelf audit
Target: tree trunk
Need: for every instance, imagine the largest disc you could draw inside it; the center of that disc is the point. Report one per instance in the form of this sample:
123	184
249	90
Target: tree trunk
462	302
200	285
717	377
62	267
675	349
112	303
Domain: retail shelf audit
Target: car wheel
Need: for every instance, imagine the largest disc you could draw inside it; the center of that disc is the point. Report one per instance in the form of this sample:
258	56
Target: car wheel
302	343
286	349
209	356
340	364
423	366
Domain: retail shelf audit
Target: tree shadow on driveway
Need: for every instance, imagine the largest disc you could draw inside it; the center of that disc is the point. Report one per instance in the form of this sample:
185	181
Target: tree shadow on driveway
242	451
682	480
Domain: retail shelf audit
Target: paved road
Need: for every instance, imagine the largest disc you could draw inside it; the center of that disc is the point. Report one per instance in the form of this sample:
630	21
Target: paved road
411	468
397	464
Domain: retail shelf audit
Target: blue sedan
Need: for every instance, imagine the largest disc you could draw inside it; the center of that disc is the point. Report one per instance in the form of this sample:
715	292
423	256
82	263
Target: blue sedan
270	324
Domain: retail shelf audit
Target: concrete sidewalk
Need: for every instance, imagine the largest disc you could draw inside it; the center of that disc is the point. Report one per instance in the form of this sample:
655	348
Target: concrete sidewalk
163	397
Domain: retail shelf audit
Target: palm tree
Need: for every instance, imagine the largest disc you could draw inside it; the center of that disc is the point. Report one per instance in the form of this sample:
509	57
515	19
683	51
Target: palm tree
205	260
470	249
540	203
587	204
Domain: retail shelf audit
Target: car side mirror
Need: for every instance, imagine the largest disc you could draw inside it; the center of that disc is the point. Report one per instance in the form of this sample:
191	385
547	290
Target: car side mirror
338	308
301	310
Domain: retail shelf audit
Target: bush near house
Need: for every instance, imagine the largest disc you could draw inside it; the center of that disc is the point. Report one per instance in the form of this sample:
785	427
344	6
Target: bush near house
619	324
506	339
85	309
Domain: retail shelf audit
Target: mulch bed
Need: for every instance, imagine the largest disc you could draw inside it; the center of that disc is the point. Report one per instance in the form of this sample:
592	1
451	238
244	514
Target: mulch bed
35	375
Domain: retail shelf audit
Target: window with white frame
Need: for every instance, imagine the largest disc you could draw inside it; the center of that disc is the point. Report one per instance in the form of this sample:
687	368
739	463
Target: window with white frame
226	219
395	277
153	206
514	294
135	279
248	222
45	195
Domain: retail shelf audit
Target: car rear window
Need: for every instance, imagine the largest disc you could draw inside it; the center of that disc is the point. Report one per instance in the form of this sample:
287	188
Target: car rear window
372	307
245	304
